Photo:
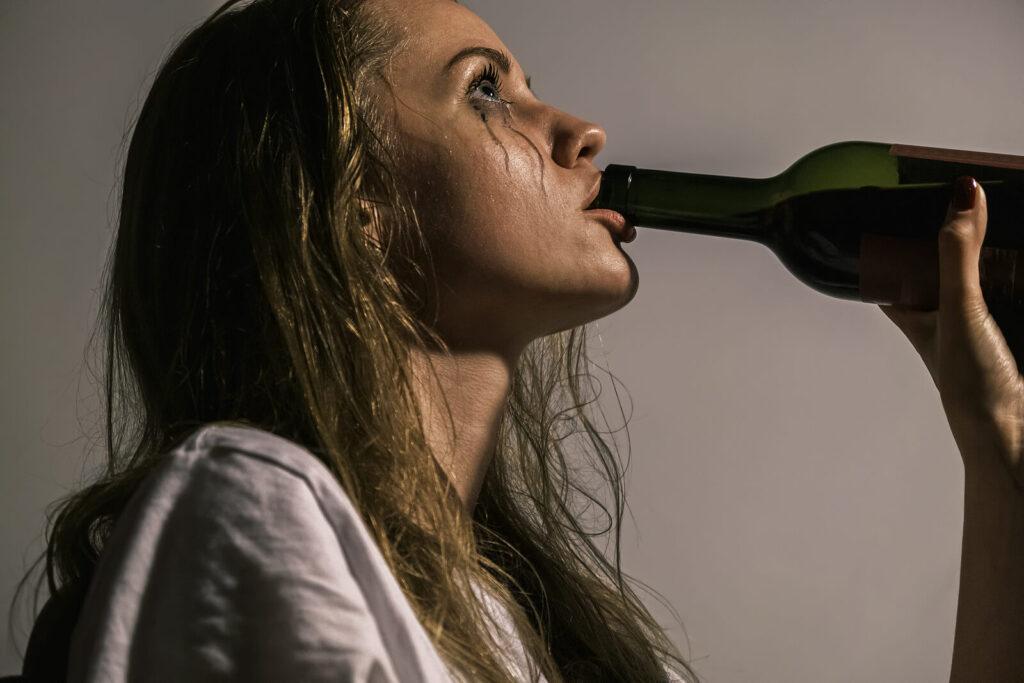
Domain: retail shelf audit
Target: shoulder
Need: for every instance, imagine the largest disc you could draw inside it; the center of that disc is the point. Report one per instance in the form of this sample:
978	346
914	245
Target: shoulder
232	454
240	496
224	478
241	554
232	500
223	472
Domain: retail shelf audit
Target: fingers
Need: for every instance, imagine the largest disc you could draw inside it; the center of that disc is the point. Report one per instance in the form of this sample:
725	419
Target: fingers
960	240
960	296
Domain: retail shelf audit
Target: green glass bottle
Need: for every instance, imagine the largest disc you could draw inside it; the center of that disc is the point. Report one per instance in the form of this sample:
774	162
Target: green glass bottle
855	220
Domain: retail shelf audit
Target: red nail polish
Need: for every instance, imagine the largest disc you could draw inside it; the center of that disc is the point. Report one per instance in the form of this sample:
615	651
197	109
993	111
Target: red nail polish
965	189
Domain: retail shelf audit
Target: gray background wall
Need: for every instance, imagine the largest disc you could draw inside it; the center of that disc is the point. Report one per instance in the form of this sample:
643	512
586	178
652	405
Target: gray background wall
795	491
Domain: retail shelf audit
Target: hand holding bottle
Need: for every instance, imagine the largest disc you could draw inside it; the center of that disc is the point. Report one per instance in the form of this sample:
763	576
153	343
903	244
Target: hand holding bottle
964	348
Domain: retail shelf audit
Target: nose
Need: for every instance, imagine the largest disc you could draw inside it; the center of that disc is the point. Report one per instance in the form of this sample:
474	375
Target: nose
576	140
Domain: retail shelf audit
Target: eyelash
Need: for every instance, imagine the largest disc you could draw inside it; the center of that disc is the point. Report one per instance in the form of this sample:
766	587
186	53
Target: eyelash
484	75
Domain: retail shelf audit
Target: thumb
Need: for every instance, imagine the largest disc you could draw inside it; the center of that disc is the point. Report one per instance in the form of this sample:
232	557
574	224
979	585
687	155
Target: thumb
960	240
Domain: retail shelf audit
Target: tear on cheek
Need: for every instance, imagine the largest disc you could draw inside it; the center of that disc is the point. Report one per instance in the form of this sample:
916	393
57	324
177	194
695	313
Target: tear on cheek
502	111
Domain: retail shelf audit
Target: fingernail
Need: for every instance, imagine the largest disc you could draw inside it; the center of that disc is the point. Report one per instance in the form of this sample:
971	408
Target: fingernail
965	189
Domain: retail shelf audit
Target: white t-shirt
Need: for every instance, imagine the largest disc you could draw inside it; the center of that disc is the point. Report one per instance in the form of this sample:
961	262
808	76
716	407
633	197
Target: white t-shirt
241	558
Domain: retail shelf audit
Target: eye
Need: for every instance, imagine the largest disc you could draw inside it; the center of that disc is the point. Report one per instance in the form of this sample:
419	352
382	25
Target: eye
487	84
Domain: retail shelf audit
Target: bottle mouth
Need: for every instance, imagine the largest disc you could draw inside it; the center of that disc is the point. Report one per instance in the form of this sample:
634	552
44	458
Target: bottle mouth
614	192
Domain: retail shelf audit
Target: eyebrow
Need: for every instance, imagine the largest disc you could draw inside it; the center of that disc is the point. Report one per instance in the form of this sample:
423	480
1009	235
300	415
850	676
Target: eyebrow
499	57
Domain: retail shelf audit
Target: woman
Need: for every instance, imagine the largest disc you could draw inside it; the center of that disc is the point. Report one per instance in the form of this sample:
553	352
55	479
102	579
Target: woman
346	346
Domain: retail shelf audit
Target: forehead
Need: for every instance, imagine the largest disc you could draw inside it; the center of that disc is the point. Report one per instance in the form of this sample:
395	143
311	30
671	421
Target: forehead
431	31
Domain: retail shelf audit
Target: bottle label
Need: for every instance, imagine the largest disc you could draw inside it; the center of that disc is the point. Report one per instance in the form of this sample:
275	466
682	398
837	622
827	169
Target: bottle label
899	271
1001	272
958	156
903	271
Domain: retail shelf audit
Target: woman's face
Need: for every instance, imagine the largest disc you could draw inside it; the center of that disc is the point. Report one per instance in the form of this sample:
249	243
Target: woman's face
502	180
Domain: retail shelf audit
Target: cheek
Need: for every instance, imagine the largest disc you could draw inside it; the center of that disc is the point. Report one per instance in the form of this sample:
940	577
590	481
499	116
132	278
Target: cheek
532	257
502	237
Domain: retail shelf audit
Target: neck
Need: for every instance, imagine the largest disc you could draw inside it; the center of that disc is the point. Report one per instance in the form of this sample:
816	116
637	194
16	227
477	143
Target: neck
476	385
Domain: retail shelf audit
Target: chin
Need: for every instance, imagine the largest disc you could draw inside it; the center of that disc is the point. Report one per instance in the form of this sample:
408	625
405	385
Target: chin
607	291
620	280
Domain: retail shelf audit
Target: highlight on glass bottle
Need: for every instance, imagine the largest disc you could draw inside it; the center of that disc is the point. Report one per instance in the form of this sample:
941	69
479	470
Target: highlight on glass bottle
854	220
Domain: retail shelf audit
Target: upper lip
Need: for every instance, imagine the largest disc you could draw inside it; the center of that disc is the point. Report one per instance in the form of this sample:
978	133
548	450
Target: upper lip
593	194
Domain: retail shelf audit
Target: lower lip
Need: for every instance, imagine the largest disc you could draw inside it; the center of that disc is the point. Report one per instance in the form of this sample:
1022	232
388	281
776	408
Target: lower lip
616	221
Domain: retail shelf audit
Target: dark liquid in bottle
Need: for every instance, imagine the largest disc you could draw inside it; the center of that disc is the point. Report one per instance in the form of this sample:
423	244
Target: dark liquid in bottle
831	239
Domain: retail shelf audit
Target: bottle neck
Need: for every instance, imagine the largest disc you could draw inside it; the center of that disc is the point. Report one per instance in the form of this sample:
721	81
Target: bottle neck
723	206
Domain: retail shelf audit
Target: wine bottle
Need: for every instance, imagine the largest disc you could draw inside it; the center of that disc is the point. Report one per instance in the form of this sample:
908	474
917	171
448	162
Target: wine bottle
854	220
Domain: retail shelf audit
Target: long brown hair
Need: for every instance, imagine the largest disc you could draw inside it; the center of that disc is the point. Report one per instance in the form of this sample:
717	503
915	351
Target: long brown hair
262	274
